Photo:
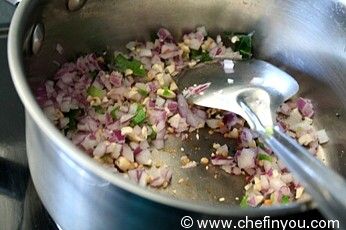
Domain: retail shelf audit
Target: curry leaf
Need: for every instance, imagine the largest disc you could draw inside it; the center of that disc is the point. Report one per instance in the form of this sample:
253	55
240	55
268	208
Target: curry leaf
72	115
200	55
244	45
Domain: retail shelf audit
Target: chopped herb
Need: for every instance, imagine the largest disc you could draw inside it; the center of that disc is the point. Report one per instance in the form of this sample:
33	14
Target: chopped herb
166	92
285	199
152	135
264	157
140	116
243	202
99	109
122	63
200	55
114	112
142	92
269	131
95	92
244	45
272	198
260	144
72	115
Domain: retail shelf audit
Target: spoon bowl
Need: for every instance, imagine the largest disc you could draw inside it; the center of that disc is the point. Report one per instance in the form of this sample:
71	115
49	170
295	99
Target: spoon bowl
254	89
254	79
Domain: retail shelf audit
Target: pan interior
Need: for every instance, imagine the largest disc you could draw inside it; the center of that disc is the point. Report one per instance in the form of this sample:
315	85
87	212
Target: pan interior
292	35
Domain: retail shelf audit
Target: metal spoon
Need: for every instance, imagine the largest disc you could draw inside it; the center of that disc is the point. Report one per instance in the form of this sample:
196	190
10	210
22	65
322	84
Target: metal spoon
255	90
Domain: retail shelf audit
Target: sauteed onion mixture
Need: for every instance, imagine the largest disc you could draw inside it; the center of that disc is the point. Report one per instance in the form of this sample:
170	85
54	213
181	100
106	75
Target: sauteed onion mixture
120	107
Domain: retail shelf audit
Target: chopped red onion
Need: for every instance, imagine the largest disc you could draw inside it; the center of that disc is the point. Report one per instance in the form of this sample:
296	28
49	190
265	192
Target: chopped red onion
145	53
174	121
287	178
99	121
200	113
284	109
160	176
276	183
158	144
139	176
114	149
183	107
246	158
87	124
115	79
264	182
100	149
164	35
156	115
127	153
305	107
172	106
89	142
79	137
246	136
219	160
144	144
159	102
143	157
126	118
230	119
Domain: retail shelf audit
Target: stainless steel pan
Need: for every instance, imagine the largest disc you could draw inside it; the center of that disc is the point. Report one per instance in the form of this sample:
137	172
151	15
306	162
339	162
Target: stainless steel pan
306	38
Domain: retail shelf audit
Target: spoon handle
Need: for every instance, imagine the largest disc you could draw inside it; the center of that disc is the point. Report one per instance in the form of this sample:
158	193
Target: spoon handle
327	188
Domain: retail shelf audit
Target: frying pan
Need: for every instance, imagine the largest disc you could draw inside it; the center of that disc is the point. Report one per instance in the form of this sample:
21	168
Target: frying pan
305	38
